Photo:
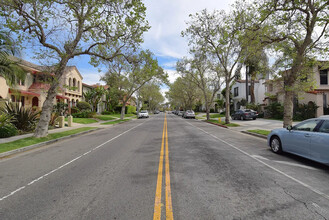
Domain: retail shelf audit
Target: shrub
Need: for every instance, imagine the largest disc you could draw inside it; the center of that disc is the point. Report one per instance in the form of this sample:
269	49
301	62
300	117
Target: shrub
6	128
305	111
130	109
212	110
24	119
274	110
7	131
74	109
60	108
84	114
83	106
107	113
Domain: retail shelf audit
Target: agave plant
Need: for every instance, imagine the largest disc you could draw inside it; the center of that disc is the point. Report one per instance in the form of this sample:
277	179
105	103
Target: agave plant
23	119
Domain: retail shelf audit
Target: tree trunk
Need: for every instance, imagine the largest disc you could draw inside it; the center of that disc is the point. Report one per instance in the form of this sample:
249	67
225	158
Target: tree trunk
227	102
207	111
252	91
288	108
123	110
47	107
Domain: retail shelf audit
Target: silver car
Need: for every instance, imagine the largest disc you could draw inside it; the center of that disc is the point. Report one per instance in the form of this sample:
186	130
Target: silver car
189	114
309	139
143	114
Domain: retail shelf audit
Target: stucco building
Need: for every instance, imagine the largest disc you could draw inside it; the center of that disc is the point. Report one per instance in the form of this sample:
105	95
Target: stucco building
32	91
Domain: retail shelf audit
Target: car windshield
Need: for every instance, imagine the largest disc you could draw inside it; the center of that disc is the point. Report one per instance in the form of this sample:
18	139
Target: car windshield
144	111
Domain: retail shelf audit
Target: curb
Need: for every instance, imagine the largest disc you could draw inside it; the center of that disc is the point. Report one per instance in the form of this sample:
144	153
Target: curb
254	134
23	149
223	126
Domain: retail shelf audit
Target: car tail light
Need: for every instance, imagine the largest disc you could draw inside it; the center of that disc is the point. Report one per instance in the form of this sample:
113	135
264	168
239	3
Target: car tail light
245	113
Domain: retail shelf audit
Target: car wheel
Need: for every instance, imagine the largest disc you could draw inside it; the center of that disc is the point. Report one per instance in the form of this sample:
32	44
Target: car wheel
254	118
276	146
241	118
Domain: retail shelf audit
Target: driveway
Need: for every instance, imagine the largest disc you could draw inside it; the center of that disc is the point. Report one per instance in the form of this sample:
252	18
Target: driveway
259	123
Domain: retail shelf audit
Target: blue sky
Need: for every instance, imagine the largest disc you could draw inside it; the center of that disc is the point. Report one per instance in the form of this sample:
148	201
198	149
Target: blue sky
167	19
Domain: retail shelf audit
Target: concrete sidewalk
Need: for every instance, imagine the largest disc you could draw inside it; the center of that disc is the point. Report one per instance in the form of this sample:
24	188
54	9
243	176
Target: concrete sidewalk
56	130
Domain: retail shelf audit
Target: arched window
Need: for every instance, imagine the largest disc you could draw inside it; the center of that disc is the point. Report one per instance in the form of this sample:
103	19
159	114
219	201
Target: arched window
77	101
74	82
70	83
78	86
35	101
73	103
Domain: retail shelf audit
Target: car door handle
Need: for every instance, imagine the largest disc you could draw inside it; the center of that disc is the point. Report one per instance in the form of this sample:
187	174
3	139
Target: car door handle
307	135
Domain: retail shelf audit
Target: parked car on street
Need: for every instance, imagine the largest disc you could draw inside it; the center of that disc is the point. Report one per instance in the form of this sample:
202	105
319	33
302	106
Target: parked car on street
244	114
156	112
189	114
309	139
180	113
143	114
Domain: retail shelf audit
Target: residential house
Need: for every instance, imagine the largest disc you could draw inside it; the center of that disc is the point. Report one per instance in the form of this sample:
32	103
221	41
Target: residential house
239	92
318	95
32	91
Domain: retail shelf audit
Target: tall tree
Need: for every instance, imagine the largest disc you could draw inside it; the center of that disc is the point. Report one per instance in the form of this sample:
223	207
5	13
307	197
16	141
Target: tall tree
151	93
183	93
133	74
203	74
298	32
218	35
63	30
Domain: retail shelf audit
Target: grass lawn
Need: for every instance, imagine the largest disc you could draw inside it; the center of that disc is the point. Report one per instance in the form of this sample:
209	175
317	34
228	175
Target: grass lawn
118	115
83	120
115	122
223	123
104	117
217	115
33	140
263	132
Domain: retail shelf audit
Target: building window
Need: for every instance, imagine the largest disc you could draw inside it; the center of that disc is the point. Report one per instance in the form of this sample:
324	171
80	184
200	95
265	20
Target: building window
78	86
218	96
23	101
249	90
236	91
70	83
74	82
13	98
323	77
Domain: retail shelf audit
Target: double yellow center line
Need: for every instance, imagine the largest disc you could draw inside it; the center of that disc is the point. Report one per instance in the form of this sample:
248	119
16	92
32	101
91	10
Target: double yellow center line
157	203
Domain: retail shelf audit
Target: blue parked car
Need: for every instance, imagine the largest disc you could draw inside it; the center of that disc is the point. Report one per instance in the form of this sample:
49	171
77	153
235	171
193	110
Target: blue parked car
309	139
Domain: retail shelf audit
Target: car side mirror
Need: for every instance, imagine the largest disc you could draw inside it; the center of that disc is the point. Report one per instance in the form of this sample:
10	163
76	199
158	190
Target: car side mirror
289	127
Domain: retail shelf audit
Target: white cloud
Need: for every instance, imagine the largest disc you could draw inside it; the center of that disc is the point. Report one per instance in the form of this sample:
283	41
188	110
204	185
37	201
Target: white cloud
91	77
168	19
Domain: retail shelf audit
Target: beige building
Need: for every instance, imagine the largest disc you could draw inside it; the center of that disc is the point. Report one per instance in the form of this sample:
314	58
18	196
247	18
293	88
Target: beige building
319	95
32	91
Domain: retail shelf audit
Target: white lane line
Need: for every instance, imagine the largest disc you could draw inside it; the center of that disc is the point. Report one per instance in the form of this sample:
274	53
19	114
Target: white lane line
269	166
285	162
64	165
295	164
260	157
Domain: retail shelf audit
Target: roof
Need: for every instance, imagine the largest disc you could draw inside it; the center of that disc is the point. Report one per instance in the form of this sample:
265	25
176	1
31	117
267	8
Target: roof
39	85
244	81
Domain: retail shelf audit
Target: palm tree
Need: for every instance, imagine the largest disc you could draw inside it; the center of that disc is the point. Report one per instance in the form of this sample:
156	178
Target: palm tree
9	69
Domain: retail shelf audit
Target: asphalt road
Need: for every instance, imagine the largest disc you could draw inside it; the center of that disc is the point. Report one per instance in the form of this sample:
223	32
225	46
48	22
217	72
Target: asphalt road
208	172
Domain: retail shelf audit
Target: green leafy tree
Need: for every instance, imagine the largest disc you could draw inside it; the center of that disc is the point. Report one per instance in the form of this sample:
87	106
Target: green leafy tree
218	35
183	93
201	72
297	30
133	74
63	30
151	93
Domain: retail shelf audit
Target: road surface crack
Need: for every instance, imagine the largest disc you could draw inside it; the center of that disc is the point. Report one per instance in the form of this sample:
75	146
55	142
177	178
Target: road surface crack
305	203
